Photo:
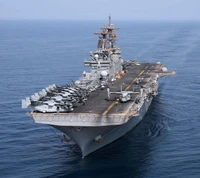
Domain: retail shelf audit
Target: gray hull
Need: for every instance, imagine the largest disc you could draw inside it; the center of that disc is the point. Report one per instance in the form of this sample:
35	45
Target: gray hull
85	136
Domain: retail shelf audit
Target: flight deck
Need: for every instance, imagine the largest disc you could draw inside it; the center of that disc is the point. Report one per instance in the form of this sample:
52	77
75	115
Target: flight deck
99	109
98	101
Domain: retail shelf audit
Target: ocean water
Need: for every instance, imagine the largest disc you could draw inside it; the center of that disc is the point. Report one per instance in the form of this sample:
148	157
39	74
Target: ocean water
35	54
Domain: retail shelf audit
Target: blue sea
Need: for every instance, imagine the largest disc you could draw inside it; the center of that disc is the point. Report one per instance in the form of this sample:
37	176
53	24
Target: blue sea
35	54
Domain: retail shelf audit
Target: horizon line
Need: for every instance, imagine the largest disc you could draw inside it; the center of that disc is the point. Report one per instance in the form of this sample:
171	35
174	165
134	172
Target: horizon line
152	20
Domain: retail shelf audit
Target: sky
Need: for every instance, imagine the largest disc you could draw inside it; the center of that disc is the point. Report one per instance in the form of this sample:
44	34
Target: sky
100	9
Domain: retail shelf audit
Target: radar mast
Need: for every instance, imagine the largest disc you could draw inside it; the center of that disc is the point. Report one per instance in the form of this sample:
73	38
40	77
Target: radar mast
107	37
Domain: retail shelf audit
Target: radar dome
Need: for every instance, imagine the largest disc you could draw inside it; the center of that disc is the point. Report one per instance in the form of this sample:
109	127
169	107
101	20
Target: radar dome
164	69
104	73
77	82
96	56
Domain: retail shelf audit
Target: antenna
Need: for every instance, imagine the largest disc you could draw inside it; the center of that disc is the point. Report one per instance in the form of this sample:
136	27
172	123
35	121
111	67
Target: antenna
109	20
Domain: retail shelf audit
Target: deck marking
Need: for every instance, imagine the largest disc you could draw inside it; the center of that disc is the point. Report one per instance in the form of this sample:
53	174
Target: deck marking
108	109
135	79
111	106
146	67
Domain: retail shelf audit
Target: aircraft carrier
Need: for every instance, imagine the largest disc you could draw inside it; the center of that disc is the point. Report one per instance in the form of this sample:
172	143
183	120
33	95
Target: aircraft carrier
104	103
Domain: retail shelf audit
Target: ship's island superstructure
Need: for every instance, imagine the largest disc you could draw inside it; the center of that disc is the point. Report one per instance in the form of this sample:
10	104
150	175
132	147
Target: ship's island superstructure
105	103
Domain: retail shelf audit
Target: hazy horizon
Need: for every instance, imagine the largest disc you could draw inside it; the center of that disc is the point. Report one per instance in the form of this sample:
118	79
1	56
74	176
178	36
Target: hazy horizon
131	10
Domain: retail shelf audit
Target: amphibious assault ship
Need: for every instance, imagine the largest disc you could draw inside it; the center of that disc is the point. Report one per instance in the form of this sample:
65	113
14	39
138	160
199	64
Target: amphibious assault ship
104	103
